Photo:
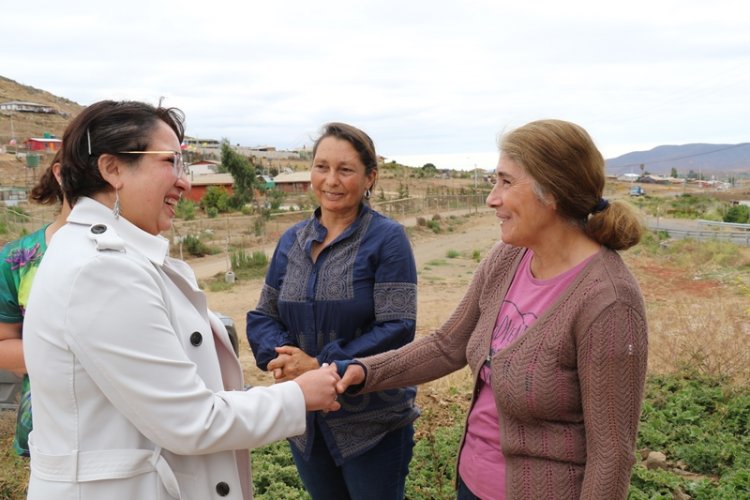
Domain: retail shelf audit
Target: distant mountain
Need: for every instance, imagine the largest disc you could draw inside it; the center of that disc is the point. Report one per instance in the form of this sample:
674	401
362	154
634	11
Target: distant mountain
710	159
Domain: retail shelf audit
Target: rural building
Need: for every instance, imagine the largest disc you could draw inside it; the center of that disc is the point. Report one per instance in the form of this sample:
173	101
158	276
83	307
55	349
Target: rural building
10	196
26	107
265	181
49	145
295	182
203	167
200	183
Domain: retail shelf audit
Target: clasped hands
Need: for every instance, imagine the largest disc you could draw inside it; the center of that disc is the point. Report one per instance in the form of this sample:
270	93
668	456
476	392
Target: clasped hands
320	384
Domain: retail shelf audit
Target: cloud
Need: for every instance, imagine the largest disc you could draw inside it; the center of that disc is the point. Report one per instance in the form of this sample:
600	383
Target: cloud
423	78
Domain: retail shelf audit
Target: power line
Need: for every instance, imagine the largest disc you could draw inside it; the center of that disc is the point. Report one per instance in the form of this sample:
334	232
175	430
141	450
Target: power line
681	157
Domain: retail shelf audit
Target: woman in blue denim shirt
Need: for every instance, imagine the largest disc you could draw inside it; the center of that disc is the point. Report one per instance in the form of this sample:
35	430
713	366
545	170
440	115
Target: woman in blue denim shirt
343	284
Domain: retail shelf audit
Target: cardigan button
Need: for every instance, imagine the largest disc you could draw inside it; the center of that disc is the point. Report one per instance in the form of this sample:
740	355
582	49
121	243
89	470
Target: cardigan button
222	489
98	228
196	339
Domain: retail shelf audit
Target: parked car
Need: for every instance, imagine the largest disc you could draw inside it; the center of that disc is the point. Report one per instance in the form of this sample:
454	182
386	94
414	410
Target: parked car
637	191
10	384
231	329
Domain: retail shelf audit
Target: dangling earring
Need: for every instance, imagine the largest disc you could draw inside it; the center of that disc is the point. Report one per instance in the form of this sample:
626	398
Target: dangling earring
116	208
367	194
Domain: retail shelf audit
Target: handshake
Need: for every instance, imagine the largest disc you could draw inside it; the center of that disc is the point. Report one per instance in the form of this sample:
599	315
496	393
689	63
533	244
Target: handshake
322	386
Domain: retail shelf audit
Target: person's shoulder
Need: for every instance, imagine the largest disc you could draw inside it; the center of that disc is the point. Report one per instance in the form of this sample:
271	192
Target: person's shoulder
26	241
613	277
290	234
384	223
17	253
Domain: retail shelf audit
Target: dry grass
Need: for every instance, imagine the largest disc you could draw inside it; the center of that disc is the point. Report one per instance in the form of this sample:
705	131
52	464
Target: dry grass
708	337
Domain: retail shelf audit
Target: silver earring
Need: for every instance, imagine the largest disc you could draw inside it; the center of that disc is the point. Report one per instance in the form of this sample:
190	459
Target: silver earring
116	208
367	194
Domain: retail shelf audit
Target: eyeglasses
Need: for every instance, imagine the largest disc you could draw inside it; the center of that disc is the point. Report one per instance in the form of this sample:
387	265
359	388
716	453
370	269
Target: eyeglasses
178	166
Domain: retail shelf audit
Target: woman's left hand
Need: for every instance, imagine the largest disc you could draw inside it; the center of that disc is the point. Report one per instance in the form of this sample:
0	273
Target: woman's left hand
291	363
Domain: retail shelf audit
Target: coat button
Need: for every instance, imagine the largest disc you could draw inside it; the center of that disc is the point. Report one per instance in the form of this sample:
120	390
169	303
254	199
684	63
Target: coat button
222	489
196	339
98	228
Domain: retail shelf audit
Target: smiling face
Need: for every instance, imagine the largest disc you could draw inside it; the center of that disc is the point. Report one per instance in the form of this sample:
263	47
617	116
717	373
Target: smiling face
338	177
150	188
523	216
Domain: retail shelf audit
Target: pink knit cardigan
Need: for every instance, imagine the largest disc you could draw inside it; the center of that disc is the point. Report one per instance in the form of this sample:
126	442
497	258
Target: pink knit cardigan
568	391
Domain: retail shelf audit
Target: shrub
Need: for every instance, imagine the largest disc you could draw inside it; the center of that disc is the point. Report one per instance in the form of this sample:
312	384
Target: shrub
196	247
738	213
185	209
452	254
215	198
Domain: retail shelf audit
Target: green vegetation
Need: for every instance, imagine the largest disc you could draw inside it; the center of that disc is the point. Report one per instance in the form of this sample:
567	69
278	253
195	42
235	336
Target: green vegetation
185	209
243	173
702	425
196	247
216	198
452	254
249	266
738	213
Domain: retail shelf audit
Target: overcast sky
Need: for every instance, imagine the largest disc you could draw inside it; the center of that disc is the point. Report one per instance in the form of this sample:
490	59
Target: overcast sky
428	80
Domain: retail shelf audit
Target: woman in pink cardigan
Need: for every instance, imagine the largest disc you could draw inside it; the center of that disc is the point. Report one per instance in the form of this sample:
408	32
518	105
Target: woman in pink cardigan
553	327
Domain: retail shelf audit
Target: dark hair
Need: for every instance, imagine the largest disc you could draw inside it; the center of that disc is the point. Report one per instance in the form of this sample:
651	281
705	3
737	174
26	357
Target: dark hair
564	162
109	127
360	141
47	190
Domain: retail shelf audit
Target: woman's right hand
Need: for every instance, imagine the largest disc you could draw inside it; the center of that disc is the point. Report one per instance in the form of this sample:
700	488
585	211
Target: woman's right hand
354	375
319	388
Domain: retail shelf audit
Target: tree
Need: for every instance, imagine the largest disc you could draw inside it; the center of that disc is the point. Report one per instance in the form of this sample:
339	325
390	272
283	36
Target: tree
673	174
429	170
243	173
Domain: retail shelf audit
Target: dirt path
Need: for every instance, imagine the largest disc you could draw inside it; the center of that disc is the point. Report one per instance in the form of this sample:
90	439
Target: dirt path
442	279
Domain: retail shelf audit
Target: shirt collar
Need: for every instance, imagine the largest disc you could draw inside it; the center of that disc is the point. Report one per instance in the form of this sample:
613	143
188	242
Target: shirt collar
88	211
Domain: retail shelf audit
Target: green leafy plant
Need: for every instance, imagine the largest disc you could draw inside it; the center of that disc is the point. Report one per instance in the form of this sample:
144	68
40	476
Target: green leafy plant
185	209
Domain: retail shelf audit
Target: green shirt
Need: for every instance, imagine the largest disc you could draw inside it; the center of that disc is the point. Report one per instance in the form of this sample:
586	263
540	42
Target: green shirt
19	261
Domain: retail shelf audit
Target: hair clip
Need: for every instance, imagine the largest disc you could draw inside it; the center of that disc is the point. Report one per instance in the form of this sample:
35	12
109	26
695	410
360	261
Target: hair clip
88	136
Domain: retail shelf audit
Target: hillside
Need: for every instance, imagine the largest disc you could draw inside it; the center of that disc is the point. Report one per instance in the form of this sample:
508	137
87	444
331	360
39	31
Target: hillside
25	125
710	159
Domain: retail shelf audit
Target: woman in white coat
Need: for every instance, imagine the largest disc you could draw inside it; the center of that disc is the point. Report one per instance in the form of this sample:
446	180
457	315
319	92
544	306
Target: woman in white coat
137	391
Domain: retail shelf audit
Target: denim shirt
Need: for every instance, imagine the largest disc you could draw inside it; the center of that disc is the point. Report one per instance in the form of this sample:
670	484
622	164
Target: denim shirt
358	298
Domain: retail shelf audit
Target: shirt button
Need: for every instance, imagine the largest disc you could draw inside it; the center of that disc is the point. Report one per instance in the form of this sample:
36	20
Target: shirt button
222	489
98	228
196	339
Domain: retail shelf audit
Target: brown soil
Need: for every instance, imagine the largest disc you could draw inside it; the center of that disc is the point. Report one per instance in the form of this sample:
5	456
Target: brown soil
443	281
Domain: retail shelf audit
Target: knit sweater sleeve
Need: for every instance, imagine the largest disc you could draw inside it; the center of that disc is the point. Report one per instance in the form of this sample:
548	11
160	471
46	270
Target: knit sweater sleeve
438	354
612	357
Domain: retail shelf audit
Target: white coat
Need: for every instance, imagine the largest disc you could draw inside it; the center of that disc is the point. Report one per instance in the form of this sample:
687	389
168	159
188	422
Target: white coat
136	389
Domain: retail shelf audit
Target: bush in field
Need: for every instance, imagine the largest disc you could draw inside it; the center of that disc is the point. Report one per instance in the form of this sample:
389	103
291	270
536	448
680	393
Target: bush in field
738	213
249	266
196	247
216	198
185	209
